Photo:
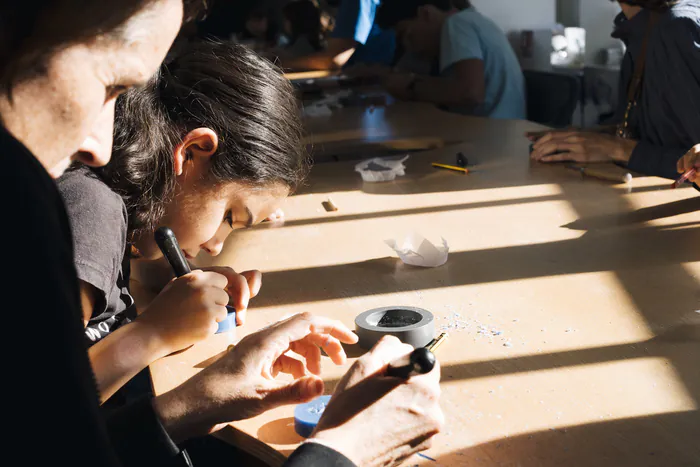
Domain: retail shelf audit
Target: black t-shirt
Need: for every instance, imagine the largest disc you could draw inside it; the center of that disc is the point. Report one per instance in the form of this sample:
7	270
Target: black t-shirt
98	220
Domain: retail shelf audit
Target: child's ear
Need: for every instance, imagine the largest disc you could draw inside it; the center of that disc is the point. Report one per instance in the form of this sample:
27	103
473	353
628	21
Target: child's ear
197	144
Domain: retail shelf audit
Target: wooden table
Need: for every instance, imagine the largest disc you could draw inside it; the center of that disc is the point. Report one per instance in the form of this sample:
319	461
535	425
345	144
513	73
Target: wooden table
572	304
355	131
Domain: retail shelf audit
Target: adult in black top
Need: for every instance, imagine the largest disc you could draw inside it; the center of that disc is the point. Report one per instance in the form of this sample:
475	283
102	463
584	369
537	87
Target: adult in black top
663	122
55	385
51	101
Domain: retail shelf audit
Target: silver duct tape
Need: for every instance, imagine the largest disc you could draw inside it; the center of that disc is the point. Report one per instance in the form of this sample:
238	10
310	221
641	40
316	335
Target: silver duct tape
414	326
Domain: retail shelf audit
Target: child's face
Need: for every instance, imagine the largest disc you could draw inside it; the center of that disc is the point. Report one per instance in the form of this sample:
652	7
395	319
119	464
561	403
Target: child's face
203	216
421	35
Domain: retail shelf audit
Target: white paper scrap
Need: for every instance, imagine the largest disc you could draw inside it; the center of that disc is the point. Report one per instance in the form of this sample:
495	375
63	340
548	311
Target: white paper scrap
416	250
381	170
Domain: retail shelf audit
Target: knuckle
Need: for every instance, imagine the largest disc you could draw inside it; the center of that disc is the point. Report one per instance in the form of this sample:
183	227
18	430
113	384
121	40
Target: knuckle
360	367
389	340
438	420
304	316
200	294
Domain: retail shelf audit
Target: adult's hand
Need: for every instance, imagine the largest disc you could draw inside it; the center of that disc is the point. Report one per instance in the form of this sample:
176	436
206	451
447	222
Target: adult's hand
242	383
376	420
578	146
691	160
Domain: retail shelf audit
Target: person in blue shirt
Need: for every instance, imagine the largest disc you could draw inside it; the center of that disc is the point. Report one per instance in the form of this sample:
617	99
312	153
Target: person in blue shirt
477	70
356	39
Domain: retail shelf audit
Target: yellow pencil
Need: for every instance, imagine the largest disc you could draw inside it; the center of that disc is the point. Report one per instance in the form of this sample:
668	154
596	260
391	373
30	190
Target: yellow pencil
451	167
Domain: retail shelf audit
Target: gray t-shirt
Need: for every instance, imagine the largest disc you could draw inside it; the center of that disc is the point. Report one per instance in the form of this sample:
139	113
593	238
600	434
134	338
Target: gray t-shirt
98	220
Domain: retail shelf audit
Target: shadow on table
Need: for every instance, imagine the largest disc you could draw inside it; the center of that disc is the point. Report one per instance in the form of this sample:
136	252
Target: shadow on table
425	210
639	216
662	440
676	246
279	432
678	342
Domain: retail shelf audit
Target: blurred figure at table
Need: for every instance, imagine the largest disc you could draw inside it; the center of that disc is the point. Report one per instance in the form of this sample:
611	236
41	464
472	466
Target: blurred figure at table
477	70
261	30
658	113
355	39
303	30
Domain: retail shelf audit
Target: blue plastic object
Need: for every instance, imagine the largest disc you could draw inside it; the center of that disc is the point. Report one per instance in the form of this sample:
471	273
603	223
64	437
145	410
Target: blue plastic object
306	416
230	321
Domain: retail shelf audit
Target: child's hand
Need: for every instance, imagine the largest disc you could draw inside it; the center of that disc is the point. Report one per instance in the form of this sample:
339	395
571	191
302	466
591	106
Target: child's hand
691	161
241	288
277	216
188	309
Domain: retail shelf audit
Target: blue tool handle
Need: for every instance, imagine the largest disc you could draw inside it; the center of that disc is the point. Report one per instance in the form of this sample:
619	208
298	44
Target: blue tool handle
230	321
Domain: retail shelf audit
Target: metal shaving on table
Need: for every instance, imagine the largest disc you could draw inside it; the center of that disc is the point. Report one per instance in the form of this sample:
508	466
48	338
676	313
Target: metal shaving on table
456	323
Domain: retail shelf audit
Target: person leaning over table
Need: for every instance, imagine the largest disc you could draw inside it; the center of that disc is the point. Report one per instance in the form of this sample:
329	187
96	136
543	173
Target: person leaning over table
658	114
478	72
57	94
356	39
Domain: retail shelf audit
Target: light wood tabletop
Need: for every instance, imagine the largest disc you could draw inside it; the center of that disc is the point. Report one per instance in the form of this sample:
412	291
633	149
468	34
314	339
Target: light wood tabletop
573	304
358	129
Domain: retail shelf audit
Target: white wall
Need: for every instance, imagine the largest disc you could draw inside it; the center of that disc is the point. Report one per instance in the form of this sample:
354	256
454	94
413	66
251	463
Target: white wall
597	19
568	12
515	15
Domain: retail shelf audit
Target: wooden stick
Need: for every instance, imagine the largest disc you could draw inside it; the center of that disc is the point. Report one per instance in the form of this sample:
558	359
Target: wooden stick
603	174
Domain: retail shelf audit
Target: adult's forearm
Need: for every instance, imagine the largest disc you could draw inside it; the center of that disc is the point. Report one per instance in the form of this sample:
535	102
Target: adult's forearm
444	91
659	161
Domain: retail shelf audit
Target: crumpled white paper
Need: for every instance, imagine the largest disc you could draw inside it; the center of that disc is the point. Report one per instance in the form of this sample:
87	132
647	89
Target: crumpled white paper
317	110
381	170
415	250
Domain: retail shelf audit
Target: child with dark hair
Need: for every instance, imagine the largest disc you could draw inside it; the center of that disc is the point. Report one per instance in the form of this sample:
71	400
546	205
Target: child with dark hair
479	73
302	25
355	40
212	144
261	29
